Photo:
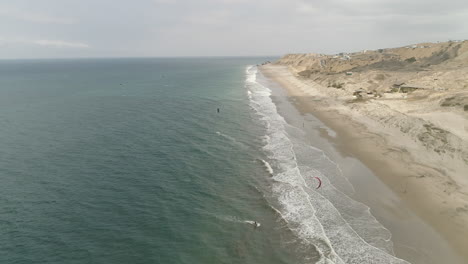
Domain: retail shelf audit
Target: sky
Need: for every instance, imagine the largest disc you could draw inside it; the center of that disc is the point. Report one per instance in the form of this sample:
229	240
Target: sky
175	28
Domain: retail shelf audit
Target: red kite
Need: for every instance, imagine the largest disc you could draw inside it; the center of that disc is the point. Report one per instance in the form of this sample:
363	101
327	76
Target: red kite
320	182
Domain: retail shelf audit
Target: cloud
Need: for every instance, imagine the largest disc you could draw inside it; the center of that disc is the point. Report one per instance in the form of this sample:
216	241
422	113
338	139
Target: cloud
306	9
60	44
42	42
223	27
33	17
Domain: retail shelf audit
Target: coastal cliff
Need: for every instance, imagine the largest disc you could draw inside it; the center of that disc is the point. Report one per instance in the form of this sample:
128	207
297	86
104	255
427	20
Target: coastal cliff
420	89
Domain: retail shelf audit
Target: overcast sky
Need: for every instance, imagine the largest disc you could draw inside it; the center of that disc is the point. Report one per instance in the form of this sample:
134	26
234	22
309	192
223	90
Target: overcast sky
135	28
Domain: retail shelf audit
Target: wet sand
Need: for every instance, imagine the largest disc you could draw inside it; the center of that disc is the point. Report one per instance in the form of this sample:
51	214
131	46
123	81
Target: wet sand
378	173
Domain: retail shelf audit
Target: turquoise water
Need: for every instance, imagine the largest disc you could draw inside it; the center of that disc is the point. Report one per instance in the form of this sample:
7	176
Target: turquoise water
128	161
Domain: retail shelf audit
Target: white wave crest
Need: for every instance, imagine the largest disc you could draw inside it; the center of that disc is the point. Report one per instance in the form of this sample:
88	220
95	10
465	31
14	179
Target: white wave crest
267	166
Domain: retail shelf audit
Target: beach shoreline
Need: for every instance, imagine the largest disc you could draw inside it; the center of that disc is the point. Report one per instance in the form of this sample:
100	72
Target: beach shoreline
390	156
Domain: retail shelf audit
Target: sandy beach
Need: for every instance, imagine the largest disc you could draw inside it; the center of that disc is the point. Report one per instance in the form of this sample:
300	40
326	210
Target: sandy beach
430	181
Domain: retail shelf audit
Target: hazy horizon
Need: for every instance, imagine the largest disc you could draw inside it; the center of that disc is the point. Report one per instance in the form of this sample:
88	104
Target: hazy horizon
209	28
148	57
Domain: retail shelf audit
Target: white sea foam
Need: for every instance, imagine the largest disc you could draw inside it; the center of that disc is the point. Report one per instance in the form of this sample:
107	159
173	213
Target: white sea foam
341	229
267	166
249	94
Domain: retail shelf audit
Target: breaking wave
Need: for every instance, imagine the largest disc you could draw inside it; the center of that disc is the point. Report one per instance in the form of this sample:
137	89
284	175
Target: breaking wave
267	166
341	229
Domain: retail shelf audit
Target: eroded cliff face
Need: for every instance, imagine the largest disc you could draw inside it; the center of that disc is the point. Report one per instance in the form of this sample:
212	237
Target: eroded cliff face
409	58
421	90
435	72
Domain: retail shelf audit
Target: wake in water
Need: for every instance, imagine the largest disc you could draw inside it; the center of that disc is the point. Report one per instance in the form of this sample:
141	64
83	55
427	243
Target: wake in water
341	229
232	140
254	223
237	220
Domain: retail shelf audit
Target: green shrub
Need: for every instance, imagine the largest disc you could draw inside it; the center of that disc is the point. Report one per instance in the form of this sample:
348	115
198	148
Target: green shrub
411	60
337	85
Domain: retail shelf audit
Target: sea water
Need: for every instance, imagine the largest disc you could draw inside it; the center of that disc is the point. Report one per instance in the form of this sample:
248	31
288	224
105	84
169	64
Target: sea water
130	161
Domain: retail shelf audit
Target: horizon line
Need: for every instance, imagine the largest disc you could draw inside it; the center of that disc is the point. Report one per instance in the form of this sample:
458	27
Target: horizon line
144	57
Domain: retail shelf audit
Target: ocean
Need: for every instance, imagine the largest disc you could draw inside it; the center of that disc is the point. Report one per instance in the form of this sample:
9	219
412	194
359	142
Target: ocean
167	160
